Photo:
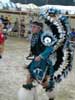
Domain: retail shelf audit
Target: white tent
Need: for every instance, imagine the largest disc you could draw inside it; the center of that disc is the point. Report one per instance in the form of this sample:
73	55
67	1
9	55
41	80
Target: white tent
63	9
1	5
33	8
25	7
7	5
11	6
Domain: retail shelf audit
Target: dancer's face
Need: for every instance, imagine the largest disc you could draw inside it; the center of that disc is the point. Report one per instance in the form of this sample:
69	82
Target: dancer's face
35	28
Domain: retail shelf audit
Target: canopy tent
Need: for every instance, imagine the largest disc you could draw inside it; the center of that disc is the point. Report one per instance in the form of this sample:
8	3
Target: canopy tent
26	6
1	5
8	5
62	9
33	8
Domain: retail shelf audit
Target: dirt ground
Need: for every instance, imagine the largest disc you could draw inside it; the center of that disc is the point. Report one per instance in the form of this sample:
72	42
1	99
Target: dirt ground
13	75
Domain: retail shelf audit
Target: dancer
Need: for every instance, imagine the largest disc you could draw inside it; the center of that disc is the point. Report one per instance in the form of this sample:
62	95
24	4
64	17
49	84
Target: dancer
52	56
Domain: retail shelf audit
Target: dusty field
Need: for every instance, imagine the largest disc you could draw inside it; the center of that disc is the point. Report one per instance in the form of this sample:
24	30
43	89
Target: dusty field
13	75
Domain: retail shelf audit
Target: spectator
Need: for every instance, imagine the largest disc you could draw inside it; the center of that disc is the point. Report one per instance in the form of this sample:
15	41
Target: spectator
6	21
9	27
72	35
2	18
22	27
16	26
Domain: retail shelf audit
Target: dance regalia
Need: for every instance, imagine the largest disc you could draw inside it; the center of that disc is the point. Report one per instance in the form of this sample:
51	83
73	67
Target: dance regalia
54	48
38	69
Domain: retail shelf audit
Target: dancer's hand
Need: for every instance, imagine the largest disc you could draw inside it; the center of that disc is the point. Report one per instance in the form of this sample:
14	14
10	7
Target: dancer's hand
45	84
38	58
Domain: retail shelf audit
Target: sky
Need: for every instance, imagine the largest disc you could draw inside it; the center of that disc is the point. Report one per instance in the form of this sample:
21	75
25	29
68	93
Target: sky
4	0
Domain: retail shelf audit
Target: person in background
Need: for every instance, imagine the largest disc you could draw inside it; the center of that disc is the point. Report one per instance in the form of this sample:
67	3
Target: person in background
6	21
22	26
2	39
2	18
72	35
9	27
16	26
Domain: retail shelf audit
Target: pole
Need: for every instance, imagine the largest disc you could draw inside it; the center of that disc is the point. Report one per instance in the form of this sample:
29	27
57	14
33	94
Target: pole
19	23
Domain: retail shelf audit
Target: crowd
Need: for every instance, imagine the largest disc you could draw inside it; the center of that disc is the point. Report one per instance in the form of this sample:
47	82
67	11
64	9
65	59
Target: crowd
6	26
18	25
